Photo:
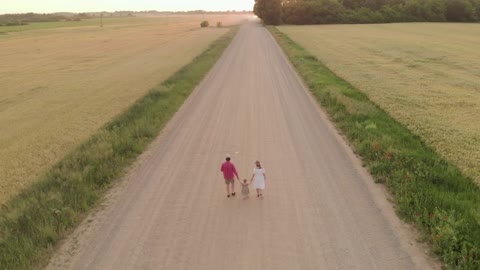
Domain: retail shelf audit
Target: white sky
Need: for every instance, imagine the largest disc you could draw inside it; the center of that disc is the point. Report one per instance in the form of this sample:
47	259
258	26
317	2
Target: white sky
47	6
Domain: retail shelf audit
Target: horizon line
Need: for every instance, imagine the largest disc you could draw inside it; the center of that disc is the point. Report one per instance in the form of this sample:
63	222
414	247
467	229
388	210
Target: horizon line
152	10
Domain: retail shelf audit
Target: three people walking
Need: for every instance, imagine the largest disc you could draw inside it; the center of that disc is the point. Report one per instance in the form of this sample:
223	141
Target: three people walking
230	173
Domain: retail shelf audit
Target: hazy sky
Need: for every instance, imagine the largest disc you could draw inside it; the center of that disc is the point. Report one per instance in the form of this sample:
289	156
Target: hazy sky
46	6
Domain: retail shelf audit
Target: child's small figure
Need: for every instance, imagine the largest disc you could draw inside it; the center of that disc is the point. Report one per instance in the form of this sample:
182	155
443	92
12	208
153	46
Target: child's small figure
245	190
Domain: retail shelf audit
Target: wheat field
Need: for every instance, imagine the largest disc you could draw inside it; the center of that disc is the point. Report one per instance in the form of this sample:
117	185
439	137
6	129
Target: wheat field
426	75
59	85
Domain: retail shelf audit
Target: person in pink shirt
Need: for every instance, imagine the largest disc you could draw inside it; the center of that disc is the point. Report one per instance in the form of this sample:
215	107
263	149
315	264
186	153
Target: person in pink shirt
229	174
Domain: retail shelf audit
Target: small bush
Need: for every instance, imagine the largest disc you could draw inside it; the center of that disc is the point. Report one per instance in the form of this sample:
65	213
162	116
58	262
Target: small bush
204	24
219	24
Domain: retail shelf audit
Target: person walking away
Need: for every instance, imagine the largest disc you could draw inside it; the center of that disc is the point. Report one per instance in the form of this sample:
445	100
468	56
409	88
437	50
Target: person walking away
260	177
245	189
229	174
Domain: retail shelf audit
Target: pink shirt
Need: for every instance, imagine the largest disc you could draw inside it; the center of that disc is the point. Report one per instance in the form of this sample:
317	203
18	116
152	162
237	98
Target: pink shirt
228	170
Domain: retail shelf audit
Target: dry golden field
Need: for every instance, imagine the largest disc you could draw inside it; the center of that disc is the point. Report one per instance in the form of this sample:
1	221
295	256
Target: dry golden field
58	86
425	75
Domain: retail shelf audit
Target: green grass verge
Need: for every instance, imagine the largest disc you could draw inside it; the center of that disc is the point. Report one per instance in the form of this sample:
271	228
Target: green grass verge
32	223
428	191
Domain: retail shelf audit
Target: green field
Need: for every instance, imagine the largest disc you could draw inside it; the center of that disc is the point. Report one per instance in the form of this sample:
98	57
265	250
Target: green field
60	85
170	19
427	190
62	24
426	75
87	22
44	212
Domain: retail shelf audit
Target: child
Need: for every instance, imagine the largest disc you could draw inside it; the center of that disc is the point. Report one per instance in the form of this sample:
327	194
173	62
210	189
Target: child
245	190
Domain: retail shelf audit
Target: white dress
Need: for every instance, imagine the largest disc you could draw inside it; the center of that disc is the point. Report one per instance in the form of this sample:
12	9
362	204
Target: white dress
259	178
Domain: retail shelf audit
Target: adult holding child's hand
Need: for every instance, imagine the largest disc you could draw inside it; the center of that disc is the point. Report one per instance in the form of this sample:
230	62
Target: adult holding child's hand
229	173
260	177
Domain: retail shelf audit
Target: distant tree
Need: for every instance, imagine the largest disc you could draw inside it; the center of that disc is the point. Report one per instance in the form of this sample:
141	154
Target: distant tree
366	11
204	24
374	4
476	9
425	10
83	15
471	10
350	4
391	14
270	11
458	10
363	15
312	11
435	10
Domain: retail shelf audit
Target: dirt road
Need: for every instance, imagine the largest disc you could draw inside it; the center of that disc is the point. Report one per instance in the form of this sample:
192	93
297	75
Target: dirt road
321	209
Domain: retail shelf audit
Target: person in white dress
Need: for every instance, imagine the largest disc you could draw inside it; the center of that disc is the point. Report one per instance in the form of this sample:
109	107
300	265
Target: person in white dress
260	177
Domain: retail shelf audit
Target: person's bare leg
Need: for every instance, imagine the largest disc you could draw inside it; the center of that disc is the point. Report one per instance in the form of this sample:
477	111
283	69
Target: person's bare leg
233	186
258	192
228	189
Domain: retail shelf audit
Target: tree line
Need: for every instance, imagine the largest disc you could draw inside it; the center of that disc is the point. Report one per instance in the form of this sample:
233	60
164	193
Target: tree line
366	11
26	18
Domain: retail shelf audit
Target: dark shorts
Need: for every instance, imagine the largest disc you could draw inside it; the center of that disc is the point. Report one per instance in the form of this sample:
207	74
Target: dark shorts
229	181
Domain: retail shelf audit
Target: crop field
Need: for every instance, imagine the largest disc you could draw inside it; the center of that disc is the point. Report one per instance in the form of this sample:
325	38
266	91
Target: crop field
425	75
85	22
130	21
60	84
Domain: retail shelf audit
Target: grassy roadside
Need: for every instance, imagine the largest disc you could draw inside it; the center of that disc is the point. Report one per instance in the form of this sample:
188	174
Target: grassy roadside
428	191
33	222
